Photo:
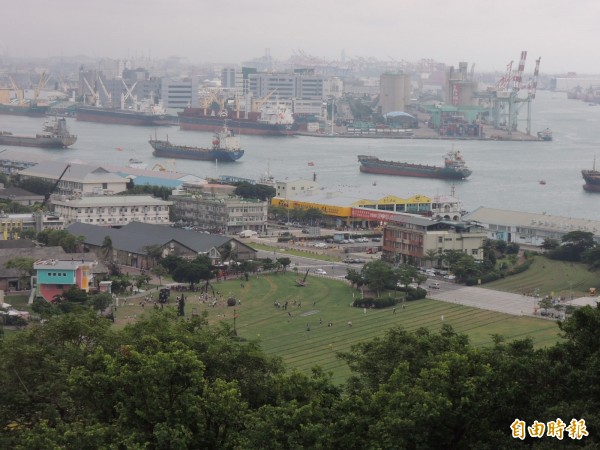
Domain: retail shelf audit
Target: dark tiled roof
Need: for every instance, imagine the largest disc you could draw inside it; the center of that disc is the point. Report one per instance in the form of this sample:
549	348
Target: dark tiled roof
35	253
135	236
15	192
17	243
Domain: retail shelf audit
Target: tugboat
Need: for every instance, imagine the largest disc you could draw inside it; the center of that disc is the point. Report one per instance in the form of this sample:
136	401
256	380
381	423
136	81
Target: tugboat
225	147
55	135
545	135
454	167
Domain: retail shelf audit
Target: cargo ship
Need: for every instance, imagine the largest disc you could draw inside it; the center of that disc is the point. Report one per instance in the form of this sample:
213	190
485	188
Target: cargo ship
454	167
267	122
591	178
225	147
55	135
151	116
29	110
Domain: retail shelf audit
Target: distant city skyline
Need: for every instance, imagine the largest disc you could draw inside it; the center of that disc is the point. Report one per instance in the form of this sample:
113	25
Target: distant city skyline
489	35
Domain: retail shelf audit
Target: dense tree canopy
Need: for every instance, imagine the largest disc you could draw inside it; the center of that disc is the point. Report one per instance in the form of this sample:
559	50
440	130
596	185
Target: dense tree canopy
163	382
258	191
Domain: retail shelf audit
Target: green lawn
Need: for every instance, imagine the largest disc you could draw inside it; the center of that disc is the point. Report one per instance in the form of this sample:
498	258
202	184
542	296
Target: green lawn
304	339
550	277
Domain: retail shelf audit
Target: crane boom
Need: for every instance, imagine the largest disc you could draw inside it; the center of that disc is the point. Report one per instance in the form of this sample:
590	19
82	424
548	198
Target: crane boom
47	196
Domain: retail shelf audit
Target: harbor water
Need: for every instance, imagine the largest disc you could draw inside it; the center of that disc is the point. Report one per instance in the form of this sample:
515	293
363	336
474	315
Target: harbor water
506	174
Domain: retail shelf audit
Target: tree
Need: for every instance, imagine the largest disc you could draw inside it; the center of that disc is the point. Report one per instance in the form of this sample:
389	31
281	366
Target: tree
550	244
170	262
313	215
106	250
574	245
377	275
24	265
258	191
154	252
99	302
226	252
285	262
451	257
512	248
432	256
355	278
159	271
405	274
465	267
186	272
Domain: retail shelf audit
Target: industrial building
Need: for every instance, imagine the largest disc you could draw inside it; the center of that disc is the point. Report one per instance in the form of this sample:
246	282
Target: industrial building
394	92
529	228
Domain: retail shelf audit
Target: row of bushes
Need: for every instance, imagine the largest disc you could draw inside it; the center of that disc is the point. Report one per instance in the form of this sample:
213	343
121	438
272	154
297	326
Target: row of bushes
493	276
386	302
376	303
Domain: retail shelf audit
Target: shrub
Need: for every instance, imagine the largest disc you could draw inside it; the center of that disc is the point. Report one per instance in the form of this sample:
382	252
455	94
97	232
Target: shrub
376	303
415	294
520	268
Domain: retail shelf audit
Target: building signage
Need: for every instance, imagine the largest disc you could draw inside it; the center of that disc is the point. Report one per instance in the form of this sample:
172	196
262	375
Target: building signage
359	213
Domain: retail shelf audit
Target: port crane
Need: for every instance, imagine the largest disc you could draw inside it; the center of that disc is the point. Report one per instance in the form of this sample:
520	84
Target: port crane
94	92
44	77
257	104
106	93
504	100
128	95
18	92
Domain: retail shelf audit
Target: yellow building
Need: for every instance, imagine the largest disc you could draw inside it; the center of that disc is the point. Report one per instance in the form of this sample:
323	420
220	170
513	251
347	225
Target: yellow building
342	210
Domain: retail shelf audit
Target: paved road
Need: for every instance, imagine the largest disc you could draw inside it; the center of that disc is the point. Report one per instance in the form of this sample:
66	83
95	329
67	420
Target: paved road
506	302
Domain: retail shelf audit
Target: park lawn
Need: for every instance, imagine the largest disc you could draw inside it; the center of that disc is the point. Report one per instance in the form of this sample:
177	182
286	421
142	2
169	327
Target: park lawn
550	277
303	338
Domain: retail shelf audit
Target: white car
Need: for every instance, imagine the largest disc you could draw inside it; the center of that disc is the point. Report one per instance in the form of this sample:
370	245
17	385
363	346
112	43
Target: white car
320	272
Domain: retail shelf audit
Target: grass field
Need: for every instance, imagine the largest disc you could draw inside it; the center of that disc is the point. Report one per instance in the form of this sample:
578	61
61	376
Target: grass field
549	277
303	338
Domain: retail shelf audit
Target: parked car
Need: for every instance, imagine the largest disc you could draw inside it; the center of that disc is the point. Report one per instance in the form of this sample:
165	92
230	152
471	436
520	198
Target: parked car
434	285
362	239
320	272
305	230
351	241
376	239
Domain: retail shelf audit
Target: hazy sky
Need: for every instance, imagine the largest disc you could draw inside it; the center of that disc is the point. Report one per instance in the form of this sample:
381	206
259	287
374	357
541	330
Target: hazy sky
488	33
